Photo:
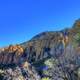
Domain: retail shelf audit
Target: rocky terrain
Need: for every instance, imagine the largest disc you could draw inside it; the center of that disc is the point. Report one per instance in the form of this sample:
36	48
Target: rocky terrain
52	55
10	54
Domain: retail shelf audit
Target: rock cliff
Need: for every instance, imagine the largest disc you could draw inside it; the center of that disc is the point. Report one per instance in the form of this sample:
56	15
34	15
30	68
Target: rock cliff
57	52
11	54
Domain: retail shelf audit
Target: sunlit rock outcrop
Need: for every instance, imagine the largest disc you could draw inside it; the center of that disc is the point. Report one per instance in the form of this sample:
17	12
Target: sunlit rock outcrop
11	54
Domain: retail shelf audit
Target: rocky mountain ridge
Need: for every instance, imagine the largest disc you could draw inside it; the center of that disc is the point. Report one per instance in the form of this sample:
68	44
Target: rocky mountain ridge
63	46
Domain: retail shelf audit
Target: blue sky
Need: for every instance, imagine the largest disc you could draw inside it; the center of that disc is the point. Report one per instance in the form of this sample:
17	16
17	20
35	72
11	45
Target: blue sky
20	20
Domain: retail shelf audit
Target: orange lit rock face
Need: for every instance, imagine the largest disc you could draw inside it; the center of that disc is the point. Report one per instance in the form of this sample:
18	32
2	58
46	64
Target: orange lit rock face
10	54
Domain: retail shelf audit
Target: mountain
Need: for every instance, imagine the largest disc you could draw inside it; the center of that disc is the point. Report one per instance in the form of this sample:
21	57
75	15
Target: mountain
52	55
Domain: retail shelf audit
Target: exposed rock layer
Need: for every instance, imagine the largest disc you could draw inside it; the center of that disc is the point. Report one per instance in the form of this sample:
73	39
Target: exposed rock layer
11	54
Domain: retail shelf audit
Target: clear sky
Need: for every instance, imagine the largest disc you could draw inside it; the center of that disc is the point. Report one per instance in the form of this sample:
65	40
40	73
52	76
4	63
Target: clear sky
20	20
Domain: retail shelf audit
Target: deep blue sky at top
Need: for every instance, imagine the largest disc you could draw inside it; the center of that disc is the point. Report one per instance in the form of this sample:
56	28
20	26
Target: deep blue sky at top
20	20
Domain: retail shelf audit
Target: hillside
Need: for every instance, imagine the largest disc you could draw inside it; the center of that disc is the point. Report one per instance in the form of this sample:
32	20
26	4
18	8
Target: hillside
52	55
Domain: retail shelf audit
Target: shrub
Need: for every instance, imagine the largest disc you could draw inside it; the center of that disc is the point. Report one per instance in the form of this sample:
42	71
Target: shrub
46	78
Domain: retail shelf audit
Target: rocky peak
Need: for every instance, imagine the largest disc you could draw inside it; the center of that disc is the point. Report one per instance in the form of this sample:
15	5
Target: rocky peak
10	54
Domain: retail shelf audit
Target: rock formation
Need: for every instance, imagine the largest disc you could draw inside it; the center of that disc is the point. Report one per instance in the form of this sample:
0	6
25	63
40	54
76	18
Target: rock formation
22	72
11	54
60	49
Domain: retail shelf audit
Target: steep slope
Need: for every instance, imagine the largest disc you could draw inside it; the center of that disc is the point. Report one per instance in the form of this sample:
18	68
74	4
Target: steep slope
62	45
45	44
57	52
42	45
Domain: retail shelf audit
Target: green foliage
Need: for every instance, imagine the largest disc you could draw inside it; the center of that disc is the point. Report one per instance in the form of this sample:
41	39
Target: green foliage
1	74
78	73
76	40
45	78
50	62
